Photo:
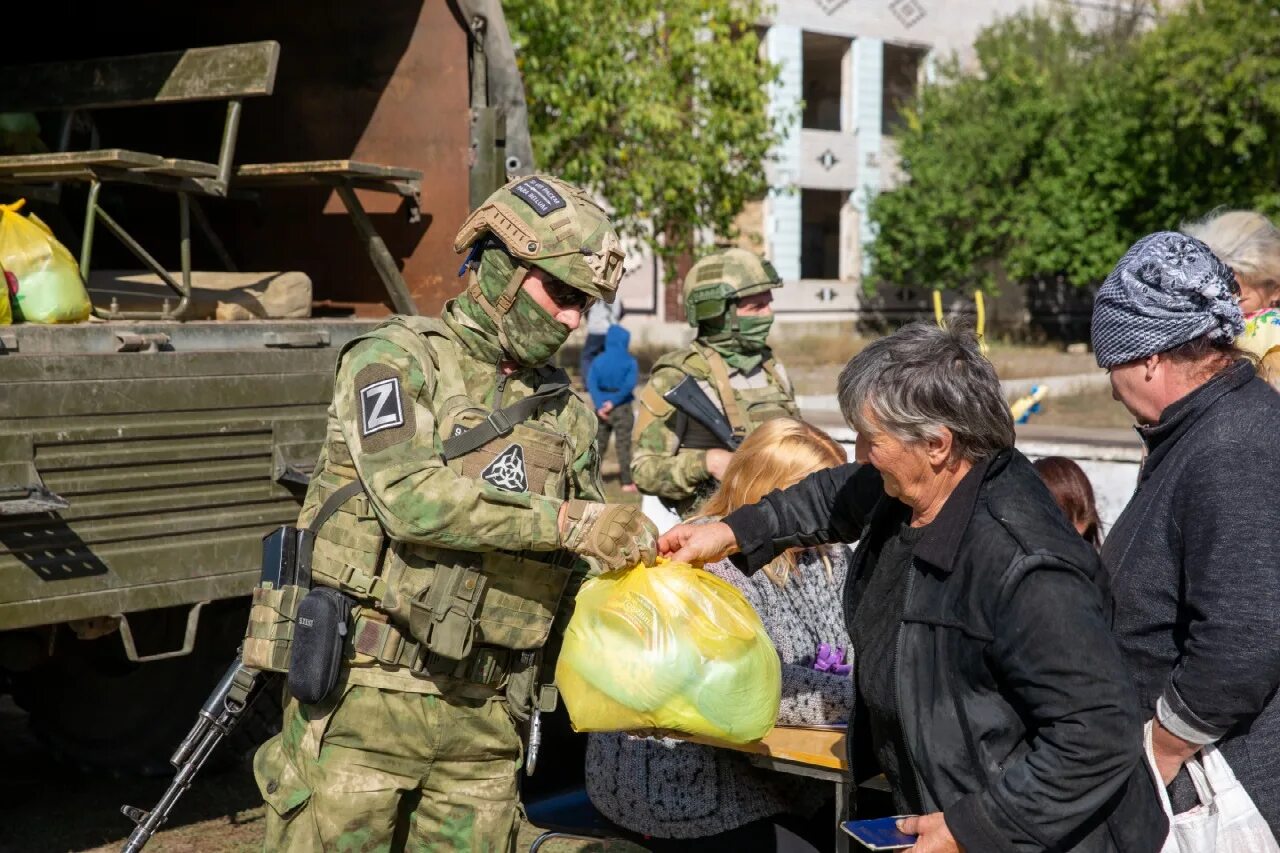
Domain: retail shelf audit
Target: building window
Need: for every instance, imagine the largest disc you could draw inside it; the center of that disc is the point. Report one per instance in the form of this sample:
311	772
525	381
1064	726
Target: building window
820	233
901	81
824	62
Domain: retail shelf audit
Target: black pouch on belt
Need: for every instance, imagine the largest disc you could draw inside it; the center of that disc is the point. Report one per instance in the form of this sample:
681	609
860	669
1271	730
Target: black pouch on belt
318	638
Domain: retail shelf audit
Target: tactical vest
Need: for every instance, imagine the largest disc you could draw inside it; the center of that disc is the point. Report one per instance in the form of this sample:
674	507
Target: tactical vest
745	408
432	609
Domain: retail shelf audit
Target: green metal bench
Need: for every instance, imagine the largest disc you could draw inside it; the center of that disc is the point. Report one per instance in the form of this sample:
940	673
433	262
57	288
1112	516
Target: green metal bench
229	73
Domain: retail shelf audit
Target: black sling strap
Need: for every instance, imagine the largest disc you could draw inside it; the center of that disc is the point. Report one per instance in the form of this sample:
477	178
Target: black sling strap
502	421
307	536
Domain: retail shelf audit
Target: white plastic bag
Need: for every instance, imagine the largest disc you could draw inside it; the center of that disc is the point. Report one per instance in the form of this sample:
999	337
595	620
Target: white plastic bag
1226	821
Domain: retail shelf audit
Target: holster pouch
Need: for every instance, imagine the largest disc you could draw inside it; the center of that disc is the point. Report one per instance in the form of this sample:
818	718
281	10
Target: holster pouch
444	619
319	636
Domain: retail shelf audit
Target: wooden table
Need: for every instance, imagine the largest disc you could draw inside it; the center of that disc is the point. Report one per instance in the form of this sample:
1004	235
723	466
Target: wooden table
817	753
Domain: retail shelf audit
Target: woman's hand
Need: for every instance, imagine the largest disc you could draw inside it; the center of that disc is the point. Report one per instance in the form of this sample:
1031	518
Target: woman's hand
1170	752
698	543
932	835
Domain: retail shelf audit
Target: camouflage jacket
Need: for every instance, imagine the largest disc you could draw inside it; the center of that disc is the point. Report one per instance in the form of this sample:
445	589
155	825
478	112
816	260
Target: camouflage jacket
391	413
669	450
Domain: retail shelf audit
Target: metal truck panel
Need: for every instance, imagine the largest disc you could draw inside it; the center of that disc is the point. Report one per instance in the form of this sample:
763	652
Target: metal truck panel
173	463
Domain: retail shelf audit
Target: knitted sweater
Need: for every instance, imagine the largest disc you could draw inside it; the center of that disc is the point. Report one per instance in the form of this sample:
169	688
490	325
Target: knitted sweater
672	789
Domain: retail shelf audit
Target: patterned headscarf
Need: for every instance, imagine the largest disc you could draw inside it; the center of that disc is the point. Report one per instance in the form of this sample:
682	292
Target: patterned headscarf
1167	289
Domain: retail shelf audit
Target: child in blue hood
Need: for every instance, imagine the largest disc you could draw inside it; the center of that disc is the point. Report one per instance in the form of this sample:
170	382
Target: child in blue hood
612	383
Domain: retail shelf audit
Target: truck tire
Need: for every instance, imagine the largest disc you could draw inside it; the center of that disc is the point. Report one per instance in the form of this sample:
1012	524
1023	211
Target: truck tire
97	710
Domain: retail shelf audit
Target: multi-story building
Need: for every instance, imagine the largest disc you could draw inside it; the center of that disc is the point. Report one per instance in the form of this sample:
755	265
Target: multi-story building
847	69
854	64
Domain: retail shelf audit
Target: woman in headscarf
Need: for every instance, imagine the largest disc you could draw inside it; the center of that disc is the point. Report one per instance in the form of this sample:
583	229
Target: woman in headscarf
1195	556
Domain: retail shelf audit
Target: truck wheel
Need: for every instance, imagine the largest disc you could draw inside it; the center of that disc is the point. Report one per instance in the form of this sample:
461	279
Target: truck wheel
98	710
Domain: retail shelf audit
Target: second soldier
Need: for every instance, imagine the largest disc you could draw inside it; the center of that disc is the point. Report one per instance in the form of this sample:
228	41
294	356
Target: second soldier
727	297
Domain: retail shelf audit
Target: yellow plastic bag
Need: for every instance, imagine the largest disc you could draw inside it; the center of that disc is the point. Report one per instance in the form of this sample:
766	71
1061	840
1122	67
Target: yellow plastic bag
49	286
668	647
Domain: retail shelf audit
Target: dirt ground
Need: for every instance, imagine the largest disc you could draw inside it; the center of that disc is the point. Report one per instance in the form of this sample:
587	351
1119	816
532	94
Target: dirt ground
48	807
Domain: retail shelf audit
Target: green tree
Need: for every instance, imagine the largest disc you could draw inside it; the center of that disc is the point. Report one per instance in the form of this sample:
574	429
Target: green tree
1064	145
659	106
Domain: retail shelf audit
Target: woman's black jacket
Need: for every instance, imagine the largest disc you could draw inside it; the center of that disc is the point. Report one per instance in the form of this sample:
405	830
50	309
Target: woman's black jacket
1017	714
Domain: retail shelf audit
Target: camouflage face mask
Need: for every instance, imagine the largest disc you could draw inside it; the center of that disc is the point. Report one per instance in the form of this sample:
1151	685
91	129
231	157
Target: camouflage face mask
533	335
753	333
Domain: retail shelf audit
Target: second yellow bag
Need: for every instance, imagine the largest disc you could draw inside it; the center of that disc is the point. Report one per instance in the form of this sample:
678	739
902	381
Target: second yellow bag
49	286
668	647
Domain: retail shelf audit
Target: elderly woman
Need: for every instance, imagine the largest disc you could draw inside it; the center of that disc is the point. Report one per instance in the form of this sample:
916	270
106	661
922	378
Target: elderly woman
988	687
1195	556
1248	243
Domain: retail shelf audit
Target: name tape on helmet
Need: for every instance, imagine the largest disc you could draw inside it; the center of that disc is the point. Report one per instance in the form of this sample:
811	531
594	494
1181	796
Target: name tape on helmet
539	195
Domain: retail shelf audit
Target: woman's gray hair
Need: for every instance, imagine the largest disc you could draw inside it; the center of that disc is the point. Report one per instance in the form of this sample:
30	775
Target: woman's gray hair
1244	240
922	378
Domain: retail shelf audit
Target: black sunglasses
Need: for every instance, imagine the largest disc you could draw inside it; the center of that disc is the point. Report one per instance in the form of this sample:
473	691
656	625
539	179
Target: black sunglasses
566	297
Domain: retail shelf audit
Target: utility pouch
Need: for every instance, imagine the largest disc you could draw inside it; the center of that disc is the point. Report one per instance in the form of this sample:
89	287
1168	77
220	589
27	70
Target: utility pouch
271	627
444	619
528	687
522	684
284	582
318	640
275	602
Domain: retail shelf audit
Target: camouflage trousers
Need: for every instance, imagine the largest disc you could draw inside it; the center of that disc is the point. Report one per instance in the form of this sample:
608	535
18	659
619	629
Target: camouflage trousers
379	770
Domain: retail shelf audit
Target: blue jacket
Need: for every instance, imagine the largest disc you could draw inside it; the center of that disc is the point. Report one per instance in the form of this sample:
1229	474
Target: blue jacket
613	372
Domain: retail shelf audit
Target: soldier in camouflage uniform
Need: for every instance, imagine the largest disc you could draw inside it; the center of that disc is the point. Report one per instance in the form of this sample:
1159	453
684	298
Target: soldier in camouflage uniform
481	497
727	298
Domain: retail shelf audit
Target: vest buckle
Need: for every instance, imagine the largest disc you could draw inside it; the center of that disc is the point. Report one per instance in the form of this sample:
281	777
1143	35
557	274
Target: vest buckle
499	422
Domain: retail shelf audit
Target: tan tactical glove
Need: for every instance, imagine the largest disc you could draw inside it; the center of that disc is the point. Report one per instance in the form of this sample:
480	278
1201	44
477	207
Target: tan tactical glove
618	535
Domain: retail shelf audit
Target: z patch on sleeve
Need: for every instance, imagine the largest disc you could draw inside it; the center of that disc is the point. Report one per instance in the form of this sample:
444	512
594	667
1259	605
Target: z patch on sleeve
386	416
539	195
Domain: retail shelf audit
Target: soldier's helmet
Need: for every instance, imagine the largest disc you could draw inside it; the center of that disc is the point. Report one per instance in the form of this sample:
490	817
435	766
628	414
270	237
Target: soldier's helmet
721	278
544	222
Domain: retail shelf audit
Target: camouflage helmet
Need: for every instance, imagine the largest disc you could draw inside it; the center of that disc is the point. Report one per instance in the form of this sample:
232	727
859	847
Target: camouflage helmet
544	222
719	278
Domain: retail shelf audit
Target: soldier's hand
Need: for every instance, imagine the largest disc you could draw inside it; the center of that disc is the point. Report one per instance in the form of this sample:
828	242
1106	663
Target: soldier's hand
618	535
696	544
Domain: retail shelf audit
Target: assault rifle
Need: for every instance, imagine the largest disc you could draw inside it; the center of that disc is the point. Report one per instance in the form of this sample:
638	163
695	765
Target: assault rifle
689	398
217	718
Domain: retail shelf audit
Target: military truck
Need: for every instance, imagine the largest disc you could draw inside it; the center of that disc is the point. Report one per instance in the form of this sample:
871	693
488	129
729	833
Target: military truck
144	454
